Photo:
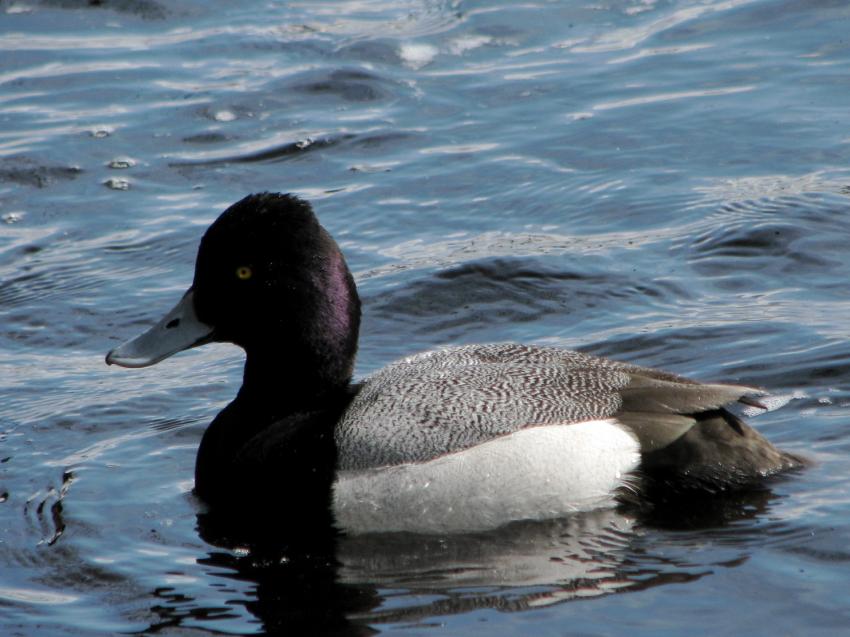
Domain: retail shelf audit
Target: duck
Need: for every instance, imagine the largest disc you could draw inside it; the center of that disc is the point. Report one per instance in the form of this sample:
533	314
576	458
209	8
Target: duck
459	439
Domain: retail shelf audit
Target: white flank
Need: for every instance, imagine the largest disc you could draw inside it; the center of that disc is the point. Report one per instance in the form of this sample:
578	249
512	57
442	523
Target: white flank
536	473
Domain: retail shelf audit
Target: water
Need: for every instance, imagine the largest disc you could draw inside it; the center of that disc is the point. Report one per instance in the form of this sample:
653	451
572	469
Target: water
666	183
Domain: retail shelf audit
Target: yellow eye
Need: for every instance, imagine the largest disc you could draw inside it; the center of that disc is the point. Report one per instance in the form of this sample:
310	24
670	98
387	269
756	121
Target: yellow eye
243	273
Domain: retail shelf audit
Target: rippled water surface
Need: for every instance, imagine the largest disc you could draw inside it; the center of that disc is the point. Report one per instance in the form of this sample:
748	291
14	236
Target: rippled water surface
663	182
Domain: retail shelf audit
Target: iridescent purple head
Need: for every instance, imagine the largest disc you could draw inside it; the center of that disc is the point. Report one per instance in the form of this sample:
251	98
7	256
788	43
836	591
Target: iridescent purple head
270	278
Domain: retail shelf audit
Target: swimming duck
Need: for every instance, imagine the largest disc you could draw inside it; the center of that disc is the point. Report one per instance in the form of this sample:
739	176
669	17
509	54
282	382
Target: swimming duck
458	439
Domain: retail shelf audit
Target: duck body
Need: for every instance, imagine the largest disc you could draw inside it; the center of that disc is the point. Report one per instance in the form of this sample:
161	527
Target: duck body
458	439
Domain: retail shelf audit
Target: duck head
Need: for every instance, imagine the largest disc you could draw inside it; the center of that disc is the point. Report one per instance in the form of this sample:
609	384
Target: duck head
269	278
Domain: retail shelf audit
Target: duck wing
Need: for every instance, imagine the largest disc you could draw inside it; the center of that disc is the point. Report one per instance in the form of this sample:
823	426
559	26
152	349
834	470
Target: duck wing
444	401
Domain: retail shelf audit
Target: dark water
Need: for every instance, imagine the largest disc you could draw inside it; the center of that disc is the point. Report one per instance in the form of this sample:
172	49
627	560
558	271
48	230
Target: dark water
664	182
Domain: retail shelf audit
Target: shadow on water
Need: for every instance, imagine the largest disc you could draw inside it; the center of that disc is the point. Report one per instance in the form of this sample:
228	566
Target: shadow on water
323	583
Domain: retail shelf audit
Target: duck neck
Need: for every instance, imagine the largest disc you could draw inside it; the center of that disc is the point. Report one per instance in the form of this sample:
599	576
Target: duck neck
278	431
298	379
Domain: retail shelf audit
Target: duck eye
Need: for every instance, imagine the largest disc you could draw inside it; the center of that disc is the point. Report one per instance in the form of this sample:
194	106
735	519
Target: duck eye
243	272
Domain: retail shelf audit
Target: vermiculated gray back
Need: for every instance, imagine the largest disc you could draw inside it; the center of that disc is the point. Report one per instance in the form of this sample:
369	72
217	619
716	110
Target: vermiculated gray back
448	400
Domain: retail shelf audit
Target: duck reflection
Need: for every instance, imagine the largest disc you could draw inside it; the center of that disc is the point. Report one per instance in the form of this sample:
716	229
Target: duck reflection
314	581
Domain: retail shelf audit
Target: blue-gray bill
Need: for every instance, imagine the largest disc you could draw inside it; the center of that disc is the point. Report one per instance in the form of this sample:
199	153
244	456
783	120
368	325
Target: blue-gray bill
178	330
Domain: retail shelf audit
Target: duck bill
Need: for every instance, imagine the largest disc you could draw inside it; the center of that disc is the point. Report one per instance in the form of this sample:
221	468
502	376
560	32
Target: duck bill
178	330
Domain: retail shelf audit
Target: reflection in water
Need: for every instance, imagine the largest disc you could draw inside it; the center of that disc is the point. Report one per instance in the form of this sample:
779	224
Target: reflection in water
295	571
322	583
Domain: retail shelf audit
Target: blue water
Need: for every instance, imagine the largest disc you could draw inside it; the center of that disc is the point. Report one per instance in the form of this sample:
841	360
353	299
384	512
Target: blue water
663	182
